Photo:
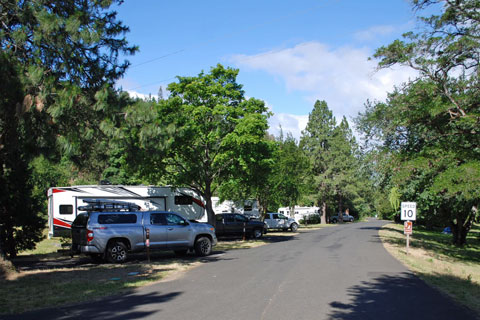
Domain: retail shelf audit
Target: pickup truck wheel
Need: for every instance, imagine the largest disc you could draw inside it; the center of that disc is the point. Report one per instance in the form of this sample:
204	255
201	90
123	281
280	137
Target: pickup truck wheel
117	252
334	220
203	247
257	233
294	227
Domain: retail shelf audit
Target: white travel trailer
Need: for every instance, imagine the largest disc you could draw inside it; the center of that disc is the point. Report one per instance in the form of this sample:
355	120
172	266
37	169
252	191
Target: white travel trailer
299	213
64	202
246	207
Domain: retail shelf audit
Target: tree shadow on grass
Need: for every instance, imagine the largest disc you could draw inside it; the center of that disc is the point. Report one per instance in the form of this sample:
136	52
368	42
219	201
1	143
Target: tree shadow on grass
122	307
46	286
397	296
436	243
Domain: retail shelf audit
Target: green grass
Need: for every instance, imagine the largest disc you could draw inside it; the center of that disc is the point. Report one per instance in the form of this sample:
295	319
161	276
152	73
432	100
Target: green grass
19	290
453	270
31	290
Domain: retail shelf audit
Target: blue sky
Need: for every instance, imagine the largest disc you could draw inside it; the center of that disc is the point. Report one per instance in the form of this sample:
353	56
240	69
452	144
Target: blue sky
290	53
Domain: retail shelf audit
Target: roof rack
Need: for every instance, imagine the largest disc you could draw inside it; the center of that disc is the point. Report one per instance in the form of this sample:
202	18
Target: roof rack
108	205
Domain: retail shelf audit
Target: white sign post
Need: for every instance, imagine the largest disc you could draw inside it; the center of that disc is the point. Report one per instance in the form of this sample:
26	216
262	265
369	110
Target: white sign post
408	214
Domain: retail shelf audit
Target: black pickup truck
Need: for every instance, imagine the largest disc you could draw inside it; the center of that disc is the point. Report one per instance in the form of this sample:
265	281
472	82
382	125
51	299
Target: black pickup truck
235	224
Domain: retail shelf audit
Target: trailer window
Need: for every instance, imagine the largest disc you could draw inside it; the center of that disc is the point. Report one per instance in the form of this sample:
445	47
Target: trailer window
66	209
183	200
117	218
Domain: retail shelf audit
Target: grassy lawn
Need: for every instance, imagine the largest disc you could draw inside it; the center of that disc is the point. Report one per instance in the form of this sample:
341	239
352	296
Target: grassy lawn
61	280
454	271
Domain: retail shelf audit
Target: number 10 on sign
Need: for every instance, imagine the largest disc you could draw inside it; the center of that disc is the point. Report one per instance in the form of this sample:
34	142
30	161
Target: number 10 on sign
409	211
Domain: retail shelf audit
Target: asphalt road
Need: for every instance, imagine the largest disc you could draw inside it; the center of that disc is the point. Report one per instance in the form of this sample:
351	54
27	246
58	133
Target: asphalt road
341	272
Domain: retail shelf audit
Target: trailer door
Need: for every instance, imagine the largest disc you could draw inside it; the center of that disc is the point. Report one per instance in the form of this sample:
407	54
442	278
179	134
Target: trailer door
64	212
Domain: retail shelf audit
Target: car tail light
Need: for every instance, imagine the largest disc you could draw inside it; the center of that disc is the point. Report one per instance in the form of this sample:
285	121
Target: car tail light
89	235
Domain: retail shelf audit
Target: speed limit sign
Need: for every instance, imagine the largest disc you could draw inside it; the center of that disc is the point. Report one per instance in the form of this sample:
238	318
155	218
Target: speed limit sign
409	211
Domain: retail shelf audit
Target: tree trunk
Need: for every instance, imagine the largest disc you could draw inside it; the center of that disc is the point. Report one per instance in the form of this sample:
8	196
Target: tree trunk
461	229
263	208
340	207
209	204
323	217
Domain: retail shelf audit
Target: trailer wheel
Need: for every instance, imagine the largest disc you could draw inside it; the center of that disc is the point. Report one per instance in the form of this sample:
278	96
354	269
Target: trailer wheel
117	252
203	246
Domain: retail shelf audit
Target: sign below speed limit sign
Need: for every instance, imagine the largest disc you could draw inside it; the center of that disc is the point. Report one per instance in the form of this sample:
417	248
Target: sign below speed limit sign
409	211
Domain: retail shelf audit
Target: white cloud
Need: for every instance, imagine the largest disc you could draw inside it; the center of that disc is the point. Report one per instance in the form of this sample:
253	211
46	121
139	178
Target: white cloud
134	94
344	77
287	123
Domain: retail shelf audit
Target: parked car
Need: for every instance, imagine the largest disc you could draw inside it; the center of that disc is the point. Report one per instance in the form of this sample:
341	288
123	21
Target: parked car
280	221
112	235
235	224
346	218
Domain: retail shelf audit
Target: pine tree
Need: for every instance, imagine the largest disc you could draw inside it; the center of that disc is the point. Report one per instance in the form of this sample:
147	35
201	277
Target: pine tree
63	59
316	142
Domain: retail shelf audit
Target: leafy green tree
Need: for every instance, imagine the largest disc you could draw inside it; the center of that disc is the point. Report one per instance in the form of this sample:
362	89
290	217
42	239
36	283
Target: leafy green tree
430	126
428	159
62	59
289	173
203	136
255	181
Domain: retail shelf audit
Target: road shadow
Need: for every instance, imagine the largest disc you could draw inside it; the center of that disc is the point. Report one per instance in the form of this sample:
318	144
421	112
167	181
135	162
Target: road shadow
270	237
120	307
398	296
370	228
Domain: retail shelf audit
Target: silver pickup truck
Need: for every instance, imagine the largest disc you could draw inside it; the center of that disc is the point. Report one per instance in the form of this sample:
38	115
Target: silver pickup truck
345	217
280	221
111	235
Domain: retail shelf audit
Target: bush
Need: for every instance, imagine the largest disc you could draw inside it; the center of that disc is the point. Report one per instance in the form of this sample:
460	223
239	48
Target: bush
311	219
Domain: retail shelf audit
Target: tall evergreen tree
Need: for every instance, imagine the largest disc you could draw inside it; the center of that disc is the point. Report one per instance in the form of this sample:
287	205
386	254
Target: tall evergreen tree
65	57
342	165
316	142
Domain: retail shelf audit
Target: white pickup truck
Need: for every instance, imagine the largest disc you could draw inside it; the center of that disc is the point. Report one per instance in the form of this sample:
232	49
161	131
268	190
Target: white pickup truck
280	221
